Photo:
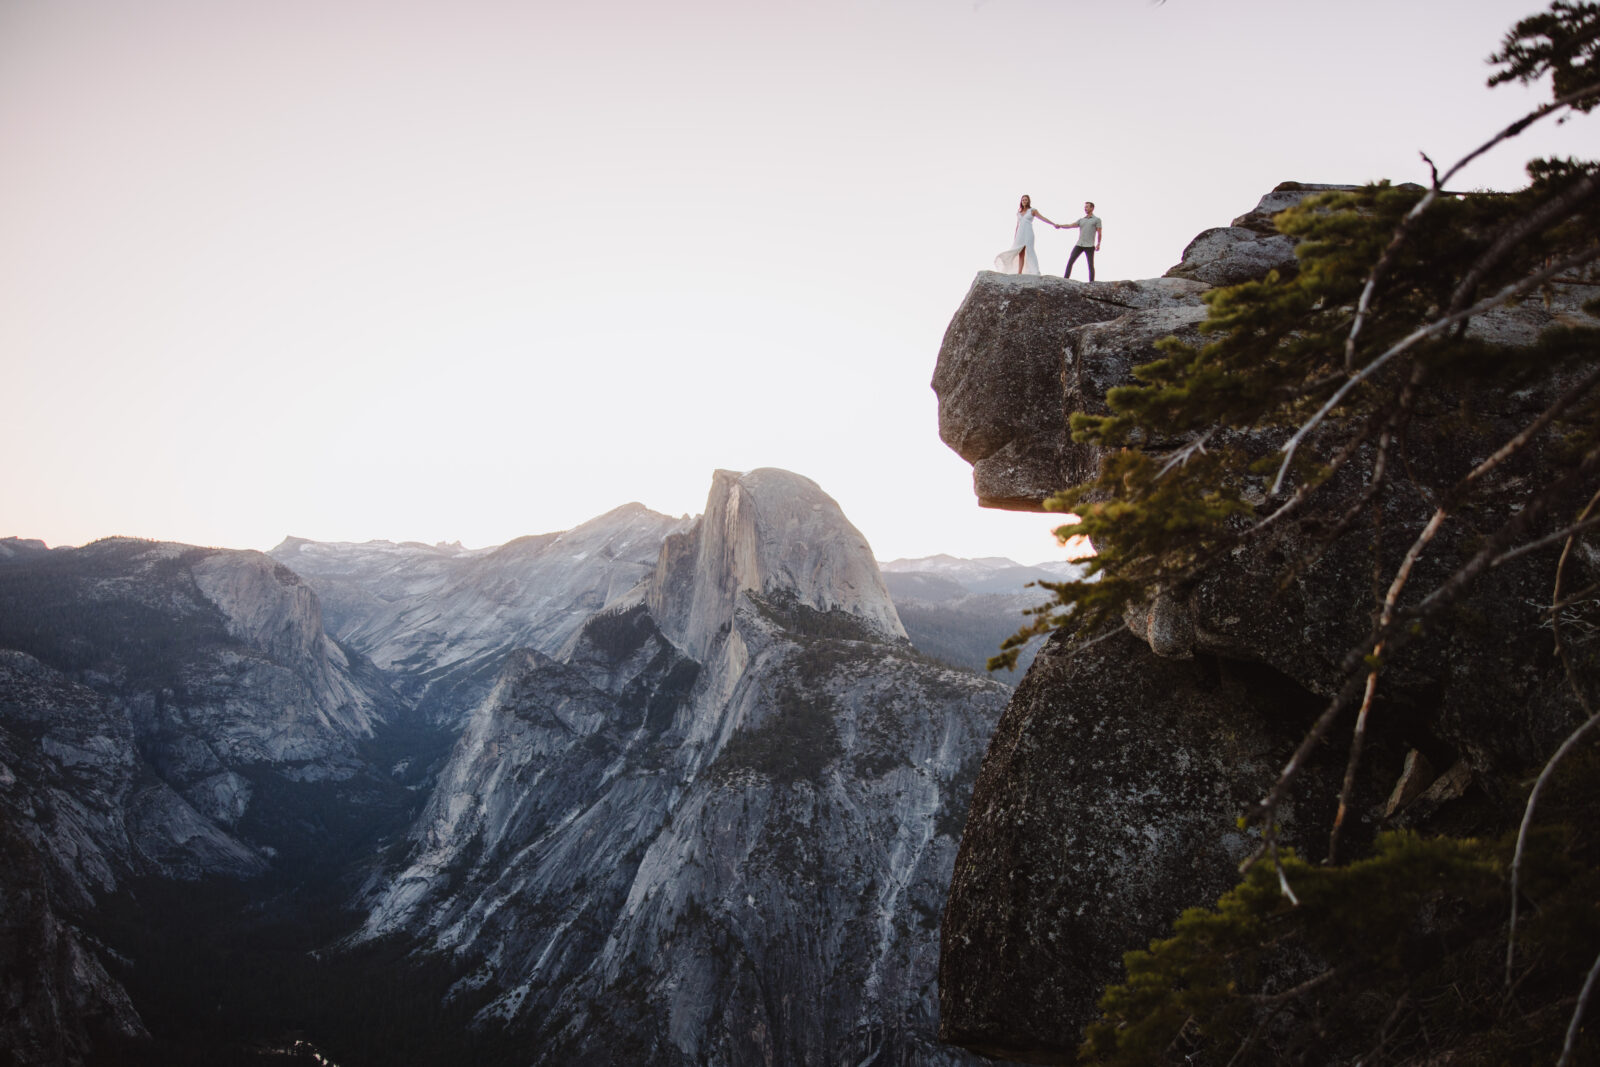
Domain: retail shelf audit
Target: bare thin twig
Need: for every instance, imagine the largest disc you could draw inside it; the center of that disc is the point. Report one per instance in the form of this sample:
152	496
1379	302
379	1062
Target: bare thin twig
1555	609
1551	211
1577	1015
1283	877
1181	457
1545	542
1403	230
1527	821
1572	598
1422	333
1305	490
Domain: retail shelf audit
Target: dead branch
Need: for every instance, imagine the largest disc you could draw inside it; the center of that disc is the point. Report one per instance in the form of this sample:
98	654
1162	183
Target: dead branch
1334	465
1527	821
1555	610
1436	189
1277	1002
1181	457
1546	541
1577	1015
1398	634
1422	333
1586	593
1402	575
1493	553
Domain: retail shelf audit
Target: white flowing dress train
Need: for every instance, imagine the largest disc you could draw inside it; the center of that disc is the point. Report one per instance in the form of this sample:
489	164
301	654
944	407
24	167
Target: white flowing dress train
1022	241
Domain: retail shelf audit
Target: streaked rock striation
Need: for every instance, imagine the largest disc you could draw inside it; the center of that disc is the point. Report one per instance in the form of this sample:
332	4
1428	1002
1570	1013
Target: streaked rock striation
715	828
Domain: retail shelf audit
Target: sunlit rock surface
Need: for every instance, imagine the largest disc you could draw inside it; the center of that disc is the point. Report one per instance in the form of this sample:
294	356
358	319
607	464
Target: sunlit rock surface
762	531
728	857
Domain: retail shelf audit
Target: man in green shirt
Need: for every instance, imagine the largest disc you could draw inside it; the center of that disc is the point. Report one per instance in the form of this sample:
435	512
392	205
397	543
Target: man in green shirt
1089	230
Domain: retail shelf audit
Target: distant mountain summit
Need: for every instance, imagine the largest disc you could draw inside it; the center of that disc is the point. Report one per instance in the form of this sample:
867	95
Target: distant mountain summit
444	618
960	610
762	532
714	826
652	790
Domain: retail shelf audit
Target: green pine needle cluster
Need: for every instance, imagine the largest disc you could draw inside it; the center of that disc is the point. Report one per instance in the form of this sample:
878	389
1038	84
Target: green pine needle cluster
1305	382
1192	445
1382	961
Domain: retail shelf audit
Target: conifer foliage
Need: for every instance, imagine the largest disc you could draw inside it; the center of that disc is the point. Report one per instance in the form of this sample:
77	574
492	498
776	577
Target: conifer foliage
1336	355
1287	426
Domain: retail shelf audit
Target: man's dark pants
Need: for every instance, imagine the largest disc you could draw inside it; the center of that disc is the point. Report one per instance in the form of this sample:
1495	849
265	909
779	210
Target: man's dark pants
1081	250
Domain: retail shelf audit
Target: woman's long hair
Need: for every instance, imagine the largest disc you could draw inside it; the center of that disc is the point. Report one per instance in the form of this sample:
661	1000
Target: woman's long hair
1024	204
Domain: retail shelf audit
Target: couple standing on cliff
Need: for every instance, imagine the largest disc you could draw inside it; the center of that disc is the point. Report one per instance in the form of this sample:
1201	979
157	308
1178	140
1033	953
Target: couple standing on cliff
1019	258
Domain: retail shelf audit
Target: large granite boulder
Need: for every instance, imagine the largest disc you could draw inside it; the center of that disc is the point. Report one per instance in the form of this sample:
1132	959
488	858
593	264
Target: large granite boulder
1251	247
1107	802
1010	360
1105	806
1024	352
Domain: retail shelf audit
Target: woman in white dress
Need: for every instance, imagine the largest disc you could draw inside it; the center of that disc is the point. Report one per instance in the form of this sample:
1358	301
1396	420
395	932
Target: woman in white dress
1019	258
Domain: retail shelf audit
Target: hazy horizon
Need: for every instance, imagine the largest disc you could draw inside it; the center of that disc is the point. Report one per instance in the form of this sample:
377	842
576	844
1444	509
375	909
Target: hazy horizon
438	272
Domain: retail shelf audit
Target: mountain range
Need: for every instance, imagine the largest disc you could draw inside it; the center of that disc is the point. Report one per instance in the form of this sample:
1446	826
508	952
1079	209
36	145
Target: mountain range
651	790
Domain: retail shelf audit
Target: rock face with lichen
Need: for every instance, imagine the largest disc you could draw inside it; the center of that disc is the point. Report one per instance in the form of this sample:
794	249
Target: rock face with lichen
1107	802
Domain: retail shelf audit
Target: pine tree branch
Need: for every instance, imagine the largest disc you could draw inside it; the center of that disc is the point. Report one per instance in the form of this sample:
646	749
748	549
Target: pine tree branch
1421	334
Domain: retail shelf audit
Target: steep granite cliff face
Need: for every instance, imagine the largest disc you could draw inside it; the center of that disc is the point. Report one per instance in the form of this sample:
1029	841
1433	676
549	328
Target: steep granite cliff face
714	827
80	814
218	659
1106	804
161	707
762	531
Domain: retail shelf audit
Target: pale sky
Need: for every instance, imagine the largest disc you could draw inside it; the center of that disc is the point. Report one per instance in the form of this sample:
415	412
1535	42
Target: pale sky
468	270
